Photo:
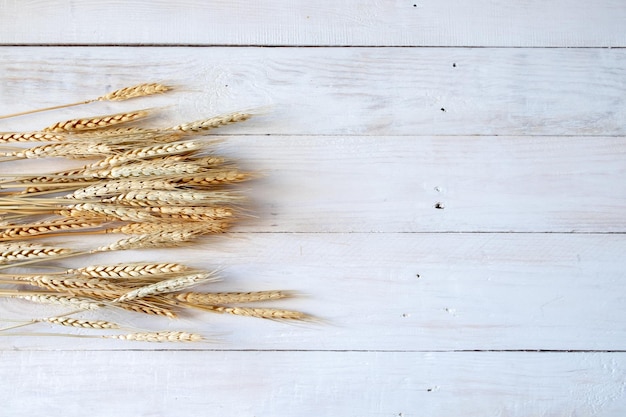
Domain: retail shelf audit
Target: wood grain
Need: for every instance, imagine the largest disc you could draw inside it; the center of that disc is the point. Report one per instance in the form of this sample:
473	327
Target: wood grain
338	91
496	23
400	292
267	384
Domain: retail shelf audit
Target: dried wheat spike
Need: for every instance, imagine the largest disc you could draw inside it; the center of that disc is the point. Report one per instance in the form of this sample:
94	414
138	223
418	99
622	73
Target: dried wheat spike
159	167
38	229
11	252
144	307
85	324
129	270
158	337
107	210
113	187
148	152
9	137
212	123
78	303
263	313
206	226
213	177
99	122
70	284
147	197
151	240
229	297
139	90
208	215
72	150
168	285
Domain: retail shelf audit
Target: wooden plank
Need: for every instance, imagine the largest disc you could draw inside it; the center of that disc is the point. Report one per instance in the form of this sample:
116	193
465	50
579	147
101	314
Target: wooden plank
560	23
425	184
313	383
338	91
434	184
401	292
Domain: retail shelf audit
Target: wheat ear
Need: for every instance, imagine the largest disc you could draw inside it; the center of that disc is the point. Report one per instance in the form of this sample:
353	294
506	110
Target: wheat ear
168	285
99	122
82	323
129	270
126	93
229	297
11	252
263	313
158	337
211	123
9	137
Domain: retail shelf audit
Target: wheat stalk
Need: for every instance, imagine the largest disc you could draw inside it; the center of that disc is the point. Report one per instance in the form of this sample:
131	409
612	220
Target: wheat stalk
126	93
112	187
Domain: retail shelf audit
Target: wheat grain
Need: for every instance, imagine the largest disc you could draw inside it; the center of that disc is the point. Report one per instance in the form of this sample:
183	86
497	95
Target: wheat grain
147	197
167	286
151	240
82	323
211	123
208	215
9	137
99	122
229	297
174	227
140	90
161	167
70	284
10	252
158	337
63	150
213	177
112	187
129	270
108	211
143	307
148	152
34	230
78	303
263	313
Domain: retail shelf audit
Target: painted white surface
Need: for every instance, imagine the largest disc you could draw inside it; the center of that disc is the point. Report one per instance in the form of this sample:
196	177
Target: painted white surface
477	291
498	23
268	384
340	91
527	158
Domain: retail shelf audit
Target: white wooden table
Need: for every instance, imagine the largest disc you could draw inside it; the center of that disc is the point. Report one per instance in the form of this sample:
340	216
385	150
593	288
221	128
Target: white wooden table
443	181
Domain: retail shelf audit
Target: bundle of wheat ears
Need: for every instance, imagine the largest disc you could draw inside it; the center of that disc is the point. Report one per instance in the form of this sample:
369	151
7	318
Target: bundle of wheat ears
160	187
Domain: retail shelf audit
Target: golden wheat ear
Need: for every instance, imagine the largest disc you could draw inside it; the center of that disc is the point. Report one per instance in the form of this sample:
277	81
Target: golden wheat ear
126	93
